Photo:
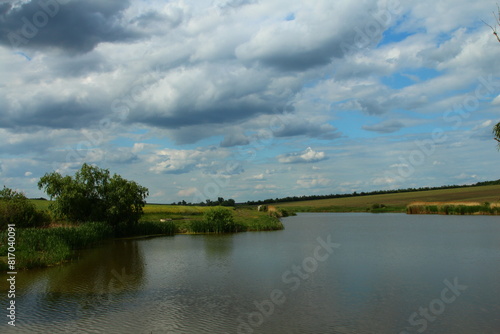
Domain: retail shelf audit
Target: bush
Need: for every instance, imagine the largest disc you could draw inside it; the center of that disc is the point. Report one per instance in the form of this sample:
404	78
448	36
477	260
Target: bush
16	209
216	220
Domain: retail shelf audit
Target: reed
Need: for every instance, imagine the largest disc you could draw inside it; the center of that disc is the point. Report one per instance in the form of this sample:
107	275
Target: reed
146	228
41	247
453	208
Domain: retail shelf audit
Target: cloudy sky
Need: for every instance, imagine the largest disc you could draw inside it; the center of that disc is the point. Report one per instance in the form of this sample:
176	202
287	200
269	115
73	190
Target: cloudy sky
250	99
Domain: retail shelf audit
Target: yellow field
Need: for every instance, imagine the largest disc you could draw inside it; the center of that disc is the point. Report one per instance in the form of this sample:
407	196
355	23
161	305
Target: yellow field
174	209
472	194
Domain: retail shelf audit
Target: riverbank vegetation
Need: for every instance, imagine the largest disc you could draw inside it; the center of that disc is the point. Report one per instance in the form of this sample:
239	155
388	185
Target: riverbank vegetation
60	240
457	208
94	205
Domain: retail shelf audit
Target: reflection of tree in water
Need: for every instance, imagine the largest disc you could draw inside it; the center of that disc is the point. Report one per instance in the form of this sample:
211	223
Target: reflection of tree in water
218	247
96	279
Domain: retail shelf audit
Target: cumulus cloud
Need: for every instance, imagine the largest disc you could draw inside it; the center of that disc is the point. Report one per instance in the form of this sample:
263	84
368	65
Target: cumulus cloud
300	127
75	26
187	192
172	161
307	156
388	126
235	139
282	75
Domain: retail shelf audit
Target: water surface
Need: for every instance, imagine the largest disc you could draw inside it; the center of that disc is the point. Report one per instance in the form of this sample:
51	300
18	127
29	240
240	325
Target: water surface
383	271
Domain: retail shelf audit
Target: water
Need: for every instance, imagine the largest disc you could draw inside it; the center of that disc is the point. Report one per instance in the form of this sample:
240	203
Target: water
325	273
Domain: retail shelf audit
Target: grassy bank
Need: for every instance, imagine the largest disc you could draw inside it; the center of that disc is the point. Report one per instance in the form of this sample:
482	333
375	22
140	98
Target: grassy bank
41	247
396	202
190	219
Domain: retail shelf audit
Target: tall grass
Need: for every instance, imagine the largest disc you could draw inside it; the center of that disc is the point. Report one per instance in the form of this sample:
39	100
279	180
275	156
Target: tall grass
36	247
146	228
456	208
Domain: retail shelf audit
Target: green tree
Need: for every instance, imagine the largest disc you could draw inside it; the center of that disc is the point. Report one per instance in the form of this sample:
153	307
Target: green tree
16	209
496	16
496	133
94	195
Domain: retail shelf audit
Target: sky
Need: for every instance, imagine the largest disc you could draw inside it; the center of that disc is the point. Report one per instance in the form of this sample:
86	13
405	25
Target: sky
250	99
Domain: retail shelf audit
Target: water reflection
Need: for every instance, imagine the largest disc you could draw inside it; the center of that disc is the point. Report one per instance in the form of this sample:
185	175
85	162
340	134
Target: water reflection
386	268
93	283
218	248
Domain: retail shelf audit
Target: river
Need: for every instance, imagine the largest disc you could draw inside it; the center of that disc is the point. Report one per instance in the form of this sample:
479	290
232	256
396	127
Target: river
325	273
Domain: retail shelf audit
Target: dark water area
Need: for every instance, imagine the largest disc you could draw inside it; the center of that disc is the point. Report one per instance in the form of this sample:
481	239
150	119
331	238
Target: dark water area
325	273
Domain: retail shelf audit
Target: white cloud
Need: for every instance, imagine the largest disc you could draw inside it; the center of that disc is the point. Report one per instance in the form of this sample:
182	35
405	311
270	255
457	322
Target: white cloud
172	161
187	192
258	177
307	156
314	182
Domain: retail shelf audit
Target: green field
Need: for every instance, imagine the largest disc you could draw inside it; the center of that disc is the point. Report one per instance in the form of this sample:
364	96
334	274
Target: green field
182	216
396	202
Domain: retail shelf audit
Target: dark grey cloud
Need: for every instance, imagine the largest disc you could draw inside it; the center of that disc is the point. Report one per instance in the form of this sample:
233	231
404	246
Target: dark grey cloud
215	113
372	107
290	47
74	26
235	139
234	4
70	113
388	126
79	65
172	18
301	127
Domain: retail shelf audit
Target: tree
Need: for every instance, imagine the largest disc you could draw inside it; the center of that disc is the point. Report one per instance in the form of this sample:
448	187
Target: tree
496	133
93	195
496	128
16	209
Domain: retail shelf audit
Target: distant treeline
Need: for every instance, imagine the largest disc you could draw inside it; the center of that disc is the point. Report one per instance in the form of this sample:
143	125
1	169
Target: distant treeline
354	194
220	201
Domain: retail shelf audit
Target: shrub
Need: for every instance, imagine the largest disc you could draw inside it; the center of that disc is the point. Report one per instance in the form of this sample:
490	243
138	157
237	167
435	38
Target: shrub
16	209
217	220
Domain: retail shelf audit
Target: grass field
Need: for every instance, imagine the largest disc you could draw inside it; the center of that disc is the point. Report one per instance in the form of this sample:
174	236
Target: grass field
397	202
182	216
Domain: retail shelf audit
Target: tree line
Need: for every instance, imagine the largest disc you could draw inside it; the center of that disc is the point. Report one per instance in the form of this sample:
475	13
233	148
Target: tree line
354	194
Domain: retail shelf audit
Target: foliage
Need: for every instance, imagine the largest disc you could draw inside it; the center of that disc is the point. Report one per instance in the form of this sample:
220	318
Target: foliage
496	133
216	220
278	212
496	128
93	195
16	209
